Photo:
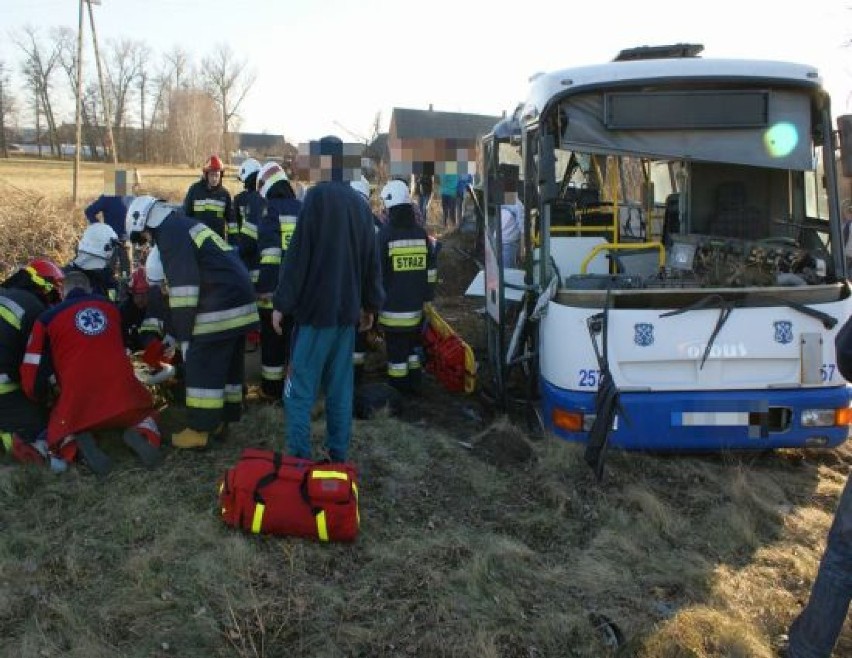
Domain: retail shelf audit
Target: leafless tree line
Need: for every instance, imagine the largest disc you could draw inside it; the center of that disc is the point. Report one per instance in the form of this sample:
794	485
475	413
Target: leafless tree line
162	109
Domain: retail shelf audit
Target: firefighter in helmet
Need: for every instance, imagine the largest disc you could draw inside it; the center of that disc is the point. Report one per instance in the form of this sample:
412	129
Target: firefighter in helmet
208	201
95	253
273	237
248	206
23	297
212	304
408	273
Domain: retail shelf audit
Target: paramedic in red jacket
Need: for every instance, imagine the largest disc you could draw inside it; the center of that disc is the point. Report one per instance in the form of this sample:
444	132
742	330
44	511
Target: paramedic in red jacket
79	343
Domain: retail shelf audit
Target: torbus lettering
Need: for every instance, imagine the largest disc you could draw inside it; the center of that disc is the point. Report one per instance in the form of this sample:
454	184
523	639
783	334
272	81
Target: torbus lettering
718	350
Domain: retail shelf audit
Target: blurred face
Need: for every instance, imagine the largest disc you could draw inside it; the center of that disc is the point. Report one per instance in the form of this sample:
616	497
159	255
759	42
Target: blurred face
214	178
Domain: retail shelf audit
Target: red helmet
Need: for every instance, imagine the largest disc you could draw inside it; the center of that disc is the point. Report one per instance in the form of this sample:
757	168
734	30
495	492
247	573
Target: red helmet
213	164
46	274
138	282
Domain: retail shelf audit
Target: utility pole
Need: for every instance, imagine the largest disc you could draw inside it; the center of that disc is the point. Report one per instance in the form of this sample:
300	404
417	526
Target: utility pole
79	133
104	98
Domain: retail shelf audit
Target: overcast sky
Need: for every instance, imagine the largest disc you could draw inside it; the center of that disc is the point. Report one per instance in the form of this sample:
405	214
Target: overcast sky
328	66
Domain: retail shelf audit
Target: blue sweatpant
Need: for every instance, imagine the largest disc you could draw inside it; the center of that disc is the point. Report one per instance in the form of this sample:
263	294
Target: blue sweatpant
321	359
814	632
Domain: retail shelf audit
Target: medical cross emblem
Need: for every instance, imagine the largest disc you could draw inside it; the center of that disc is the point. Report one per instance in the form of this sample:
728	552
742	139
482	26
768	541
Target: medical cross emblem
91	321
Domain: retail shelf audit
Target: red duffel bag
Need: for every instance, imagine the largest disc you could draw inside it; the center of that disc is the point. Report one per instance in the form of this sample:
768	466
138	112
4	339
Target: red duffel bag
270	493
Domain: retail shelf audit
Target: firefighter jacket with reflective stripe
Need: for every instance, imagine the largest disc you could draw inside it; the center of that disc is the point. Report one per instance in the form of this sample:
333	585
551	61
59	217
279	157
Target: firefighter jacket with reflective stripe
407	259
158	319
211	206
252	209
211	296
332	267
273	236
79	342
18	311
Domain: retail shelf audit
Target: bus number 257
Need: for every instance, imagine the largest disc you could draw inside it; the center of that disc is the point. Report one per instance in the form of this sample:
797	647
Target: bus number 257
588	378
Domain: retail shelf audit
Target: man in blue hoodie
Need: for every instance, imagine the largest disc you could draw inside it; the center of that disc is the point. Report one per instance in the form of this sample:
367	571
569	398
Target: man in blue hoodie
330	283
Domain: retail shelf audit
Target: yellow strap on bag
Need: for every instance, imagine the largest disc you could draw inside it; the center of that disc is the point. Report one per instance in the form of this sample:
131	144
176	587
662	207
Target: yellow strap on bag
257	519
322	528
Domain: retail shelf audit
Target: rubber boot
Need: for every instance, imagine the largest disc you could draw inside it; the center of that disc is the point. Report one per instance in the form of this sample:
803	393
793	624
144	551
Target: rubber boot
190	439
95	458
149	455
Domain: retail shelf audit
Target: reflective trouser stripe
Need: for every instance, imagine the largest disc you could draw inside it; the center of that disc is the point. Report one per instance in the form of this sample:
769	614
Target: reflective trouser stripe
409	319
257	519
6	439
234	393
397	369
272	373
8	387
358	358
205	398
322	528
413	362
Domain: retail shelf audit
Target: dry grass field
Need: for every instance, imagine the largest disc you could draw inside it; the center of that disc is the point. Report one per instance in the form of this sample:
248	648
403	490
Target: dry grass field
477	540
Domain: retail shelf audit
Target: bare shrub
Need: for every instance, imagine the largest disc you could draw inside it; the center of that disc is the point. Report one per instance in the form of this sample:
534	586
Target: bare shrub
33	226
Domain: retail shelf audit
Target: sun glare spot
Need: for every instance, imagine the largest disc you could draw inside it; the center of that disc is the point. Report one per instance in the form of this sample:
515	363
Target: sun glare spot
780	139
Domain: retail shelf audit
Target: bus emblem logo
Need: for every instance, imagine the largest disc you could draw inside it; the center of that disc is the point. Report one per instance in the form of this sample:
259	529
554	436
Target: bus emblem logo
783	332
644	335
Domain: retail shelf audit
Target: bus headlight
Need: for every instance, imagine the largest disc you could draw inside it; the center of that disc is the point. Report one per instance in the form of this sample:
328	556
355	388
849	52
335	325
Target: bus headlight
818	417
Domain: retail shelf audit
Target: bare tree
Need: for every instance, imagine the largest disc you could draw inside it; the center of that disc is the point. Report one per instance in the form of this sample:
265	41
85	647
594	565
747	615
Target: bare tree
7	103
38	67
66	39
179	65
143	80
227	80
123	63
194	127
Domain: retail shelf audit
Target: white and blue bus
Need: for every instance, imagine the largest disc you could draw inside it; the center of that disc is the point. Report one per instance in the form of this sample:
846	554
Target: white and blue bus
681	276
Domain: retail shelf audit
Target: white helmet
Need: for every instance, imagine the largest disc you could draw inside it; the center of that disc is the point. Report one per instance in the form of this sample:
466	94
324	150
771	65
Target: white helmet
98	240
247	168
269	174
154	267
362	186
146	212
395	193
